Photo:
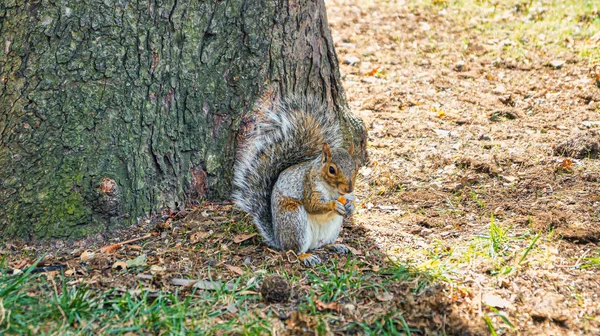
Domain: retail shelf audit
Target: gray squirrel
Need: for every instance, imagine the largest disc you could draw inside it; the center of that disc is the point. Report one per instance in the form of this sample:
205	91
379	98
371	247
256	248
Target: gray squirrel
295	179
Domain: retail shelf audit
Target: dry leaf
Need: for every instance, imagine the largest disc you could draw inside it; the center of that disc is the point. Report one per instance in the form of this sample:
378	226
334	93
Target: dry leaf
248	292
51	275
326	306
495	301
240	238
196	237
110	248
119	265
21	264
201	284
235	269
164	226
232	308
138	261
565	165
87	256
384	297
69	272
154	269
373	72
354	251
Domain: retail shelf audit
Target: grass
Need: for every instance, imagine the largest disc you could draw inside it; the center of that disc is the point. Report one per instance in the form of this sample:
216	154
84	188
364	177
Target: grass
552	27
591	261
67	308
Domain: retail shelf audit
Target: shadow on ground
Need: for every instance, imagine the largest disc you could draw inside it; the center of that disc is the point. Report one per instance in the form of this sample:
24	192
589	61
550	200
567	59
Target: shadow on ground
360	293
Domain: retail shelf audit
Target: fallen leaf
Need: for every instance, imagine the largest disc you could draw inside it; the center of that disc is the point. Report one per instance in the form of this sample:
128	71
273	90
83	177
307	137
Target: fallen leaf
353	250
120	265
248	292
372	72
139	261
200	284
232	308
51	275
565	165
327	306
110	248
154	269
495	301
198	236
439	112
235	269
164	226
240	238
87	256
21	264
384	297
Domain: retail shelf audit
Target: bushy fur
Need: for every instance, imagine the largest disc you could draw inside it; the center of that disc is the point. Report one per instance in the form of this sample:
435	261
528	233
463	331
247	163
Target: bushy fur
292	131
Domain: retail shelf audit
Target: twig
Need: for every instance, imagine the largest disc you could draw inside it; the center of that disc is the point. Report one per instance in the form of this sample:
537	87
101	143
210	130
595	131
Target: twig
2	312
113	247
577	264
201	284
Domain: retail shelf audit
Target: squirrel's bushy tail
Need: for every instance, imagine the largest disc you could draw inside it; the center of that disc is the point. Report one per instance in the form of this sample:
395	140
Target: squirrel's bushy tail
289	132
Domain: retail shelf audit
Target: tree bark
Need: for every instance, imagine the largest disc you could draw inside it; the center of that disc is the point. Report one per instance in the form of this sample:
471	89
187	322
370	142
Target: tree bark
111	110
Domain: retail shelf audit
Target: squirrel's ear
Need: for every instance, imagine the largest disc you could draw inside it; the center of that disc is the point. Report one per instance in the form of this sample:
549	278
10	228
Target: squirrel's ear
326	152
351	149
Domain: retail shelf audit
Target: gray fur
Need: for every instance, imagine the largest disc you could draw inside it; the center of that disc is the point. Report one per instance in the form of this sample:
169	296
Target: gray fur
277	143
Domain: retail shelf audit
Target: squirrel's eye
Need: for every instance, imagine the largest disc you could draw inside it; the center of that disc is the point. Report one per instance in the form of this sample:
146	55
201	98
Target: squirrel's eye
331	170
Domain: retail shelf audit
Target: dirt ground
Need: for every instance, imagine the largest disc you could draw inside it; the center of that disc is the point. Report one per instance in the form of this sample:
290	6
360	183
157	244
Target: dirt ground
460	131
479	212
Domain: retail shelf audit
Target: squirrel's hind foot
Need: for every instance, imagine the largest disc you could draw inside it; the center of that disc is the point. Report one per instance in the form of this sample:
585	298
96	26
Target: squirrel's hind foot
338	248
309	259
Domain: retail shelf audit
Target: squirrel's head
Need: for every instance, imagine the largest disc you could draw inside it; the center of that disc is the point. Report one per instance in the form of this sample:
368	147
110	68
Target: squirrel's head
339	168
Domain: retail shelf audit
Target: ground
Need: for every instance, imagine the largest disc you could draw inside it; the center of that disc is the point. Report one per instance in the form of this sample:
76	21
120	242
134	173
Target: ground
478	213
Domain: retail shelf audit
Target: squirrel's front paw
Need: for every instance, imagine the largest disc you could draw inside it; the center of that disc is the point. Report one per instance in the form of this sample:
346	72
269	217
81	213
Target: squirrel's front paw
338	248
309	259
340	208
349	208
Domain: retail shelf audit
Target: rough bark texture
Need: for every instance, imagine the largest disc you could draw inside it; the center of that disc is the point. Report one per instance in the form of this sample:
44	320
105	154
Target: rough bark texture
111	110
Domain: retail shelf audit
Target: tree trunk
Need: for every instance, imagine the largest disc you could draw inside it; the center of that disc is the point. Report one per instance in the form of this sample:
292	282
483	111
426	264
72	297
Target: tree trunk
111	110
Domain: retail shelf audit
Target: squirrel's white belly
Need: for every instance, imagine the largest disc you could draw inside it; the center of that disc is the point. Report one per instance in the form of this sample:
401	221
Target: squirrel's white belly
324	229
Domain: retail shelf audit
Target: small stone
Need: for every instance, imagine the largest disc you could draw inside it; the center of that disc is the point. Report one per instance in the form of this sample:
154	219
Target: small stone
485	137
351	60
557	64
442	133
507	100
369	80
508	178
459	66
425	232
347	45
500	89
589	124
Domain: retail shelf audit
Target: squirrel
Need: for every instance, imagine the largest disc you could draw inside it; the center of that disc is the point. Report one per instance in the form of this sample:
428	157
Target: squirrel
290	174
